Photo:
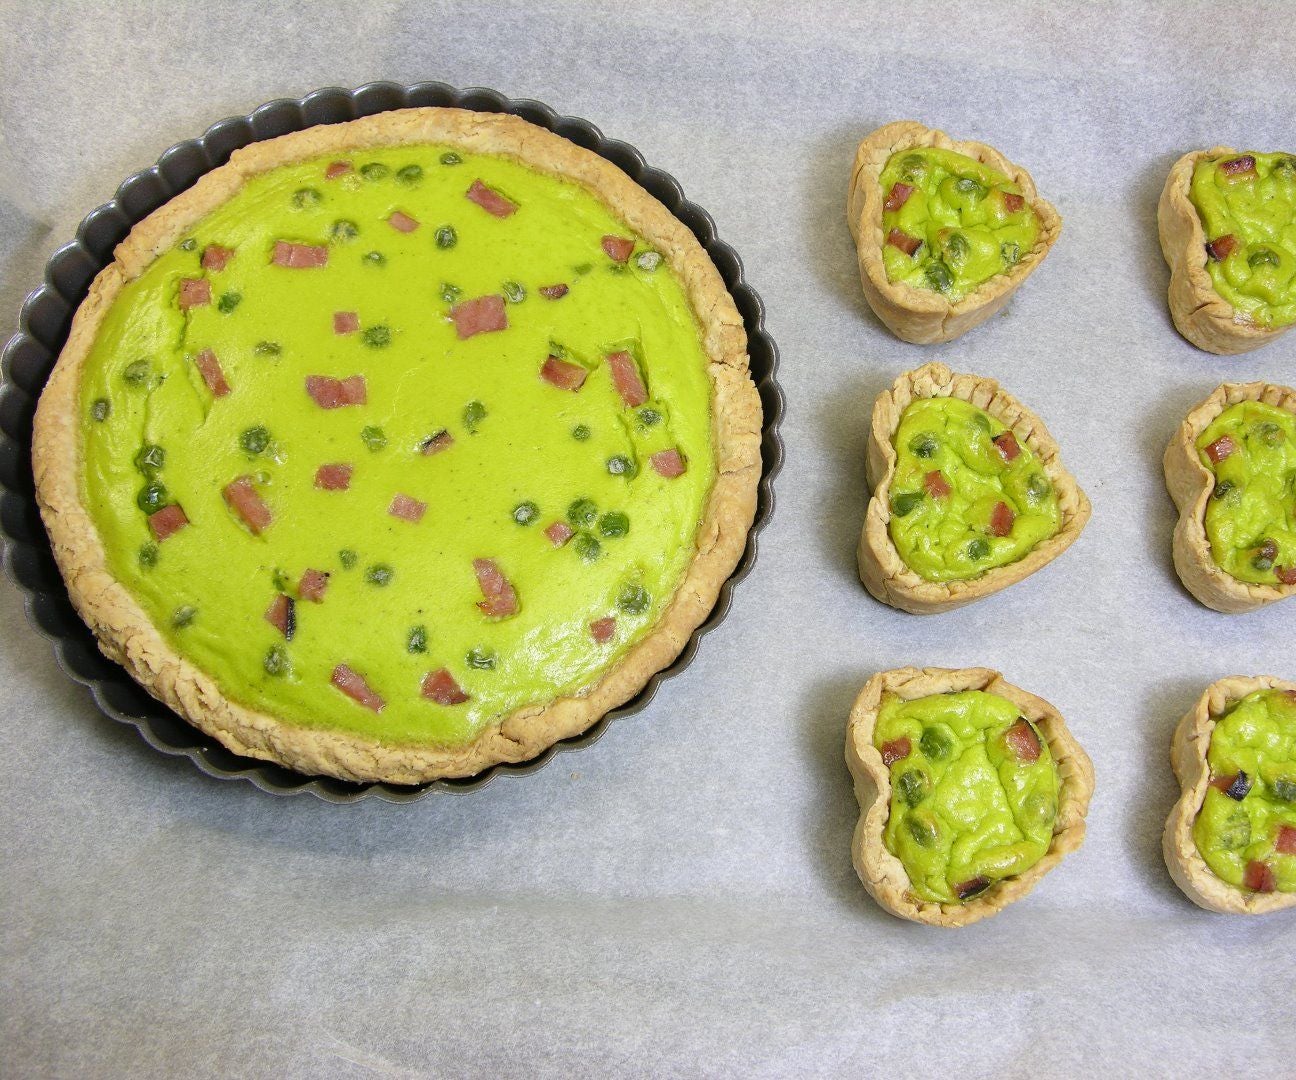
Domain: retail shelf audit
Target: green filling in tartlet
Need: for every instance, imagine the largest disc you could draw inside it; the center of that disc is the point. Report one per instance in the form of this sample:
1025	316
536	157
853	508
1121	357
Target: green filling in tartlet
1251	516
974	791
1246	830
1247	206
401	442
966	495
950	223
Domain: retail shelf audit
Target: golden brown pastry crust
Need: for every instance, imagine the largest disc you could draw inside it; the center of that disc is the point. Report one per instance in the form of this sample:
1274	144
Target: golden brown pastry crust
1200	314
123	629
923	316
881	872
1191	484
1188	759
881	567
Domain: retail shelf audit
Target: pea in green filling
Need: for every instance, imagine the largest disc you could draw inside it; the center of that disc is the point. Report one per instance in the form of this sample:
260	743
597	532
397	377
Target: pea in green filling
954	536
1251	516
955	207
1247	205
966	810
1252	796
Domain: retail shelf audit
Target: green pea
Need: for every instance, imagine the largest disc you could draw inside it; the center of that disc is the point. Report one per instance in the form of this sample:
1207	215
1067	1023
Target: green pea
474	413
343	231
306	197
255	440
450	293
649	417
228	302
1263	257
188	245
1223	489
587	547
99	410
580	433
379	574
375	258
938	276
1285	168
956	247
446	237
582	513
481	658
1010	252
148	555
152	497
1262	563
375	170
373	437
1040	808
924	445
451	158
150	459
513	292
416	641
648	260
905	502
183	616
978	549
1037	486
276	662
1284	788
409	174
914	785
582	269
1270	433
347	558
1236	833
267	348
614	523
973	189
137	373
376	337
279	580
526	513
633	600
912	166
922	829
620	465
936	743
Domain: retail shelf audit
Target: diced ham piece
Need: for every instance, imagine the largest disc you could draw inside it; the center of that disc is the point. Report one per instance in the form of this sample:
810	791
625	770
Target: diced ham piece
936	484
214	257
618	248
625	377
353	684
601	630
1259	877
402	222
1007	445
500	599
167	522
490	201
896	750
209	368
1023	741
559	533
330	393
407	508
668	463
300	256
564	375
282	615
897	238
1221	448
333	477
336	169
1013	204
440	686
1239	168
345	322
243	499
434	444
899	196
971	887
553	292
480	316
313	585
194	292
1222	247
1286	574
1285	841
1001	520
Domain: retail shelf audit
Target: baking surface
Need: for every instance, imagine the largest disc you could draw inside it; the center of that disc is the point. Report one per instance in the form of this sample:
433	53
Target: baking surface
678	899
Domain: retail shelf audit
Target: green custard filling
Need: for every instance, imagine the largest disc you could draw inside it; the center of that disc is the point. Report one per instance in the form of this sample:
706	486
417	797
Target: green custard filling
460	450
1246	830
951	222
1251	516
966	496
969	804
1247	206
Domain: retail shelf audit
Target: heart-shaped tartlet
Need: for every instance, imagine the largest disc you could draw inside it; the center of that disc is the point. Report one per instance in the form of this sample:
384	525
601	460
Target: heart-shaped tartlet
1230	841
1227	222
1231	470
945	230
970	791
969	493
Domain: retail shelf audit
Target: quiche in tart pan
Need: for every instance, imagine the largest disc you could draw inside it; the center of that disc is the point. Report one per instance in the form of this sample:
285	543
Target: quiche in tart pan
397	448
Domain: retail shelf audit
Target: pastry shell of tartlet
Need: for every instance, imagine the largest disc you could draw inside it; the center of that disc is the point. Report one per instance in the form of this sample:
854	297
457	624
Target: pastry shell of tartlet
881	567
1188	752
1191	484
1200	314
883	874
924	316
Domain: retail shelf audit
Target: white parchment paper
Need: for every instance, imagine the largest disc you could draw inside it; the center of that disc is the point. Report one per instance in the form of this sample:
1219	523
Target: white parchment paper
678	900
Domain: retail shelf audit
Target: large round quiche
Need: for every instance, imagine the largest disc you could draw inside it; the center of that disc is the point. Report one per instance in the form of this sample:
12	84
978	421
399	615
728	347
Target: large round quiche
397	448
